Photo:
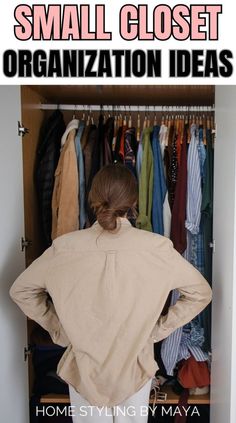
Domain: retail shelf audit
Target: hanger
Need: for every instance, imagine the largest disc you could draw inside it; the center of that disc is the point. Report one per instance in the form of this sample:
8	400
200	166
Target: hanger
197	116
125	119
130	119
105	112
162	118
120	120
182	128
189	128
186	118
212	122
83	116
166	119
201	120
88	118
204	129
115	121
138	126
155	117
148	119
145	120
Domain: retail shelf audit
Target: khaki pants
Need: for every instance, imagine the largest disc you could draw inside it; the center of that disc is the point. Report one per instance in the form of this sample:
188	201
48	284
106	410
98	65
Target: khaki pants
132	410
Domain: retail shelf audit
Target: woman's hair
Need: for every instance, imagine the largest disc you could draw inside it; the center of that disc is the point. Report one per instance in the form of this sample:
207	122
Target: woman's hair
114	193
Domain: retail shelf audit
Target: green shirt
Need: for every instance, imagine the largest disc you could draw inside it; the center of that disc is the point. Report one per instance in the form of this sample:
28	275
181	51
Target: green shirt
146	184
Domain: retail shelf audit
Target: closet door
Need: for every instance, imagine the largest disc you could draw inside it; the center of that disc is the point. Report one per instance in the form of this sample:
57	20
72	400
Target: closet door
13	368
223	407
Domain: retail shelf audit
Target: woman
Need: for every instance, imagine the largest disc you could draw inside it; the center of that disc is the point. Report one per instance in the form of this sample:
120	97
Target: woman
108	285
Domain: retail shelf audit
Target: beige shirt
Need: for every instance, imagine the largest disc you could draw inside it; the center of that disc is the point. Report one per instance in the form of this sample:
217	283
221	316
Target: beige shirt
108	292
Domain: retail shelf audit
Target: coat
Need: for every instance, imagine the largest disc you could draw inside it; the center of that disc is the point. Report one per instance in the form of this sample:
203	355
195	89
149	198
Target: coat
47	156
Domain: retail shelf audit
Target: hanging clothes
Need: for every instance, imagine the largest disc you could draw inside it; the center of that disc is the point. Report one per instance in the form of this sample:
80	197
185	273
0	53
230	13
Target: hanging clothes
96	152
194	196
163	139
173	170
96	163
116	151
139	158
178	230
167	217
207	224
85	134
197	244
130	150
107	142
65	205
88	154
47	156
80	164
207	206
159	185
181	343
146	184
122	144
87	148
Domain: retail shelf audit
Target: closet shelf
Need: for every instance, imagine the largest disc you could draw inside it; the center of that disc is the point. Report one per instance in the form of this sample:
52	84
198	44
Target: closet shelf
172	398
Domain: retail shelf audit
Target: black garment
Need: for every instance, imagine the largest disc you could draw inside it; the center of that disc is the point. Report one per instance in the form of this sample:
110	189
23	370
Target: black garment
178	233
96	152
107	142
97	162
158	359
207	224
116	154
45	360
39	417
131	147
87	152
47	156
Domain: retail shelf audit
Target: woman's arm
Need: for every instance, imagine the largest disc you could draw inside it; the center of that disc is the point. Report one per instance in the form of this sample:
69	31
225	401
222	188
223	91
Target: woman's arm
195	295
30	294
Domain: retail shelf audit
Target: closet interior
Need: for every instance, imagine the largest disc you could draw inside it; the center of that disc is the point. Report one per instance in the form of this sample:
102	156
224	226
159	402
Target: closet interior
187	109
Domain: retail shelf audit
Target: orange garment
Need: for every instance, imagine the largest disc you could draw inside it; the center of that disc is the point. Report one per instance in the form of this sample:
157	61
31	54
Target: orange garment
194	374
122	143
65	204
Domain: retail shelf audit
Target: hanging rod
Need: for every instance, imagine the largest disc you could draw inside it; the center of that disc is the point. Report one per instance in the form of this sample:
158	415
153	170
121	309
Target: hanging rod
118	108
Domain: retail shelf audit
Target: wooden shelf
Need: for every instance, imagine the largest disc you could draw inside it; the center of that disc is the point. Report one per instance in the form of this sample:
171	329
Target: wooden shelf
54	399
164	95
172	398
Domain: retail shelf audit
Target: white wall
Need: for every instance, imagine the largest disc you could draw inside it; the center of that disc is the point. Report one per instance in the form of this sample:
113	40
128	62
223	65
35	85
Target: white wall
223	399
13	369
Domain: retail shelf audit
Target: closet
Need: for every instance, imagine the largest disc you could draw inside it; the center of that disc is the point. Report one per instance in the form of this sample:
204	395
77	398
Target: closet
37	103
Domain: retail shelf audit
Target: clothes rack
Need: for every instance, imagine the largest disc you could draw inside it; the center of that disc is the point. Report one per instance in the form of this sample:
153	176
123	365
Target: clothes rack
122	108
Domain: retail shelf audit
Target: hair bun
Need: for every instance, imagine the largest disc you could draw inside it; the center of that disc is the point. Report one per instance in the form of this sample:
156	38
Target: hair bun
107	218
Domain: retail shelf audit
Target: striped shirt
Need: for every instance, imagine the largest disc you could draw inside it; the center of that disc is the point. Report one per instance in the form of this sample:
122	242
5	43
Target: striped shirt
194	192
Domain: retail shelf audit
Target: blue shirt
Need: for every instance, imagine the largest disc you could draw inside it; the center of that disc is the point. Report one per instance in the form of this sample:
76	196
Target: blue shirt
159	184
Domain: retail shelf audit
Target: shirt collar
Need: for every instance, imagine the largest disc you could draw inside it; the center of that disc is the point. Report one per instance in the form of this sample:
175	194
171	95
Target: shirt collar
123	221
73	124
